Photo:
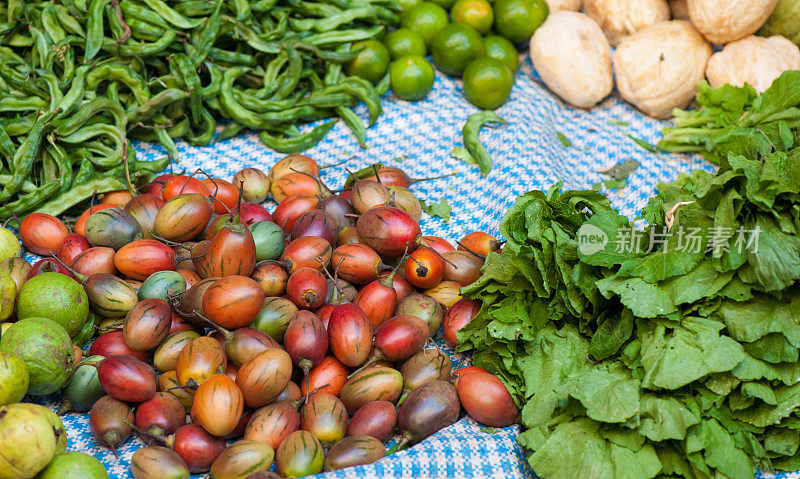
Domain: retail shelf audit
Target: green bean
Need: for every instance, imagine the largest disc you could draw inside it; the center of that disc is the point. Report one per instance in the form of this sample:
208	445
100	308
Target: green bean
334	21
20	125
328	56
231	58
230	130
67	126
343	36
155	104
30	201
252	39
207	35
24	158
86	169
270	77
262	5
133	10
53	87
170	15
94	36
80	5
195	8
32	103
296	144
139	49
364	91
51	24
212	89
242	9
18	81
259	105
7	147
154	166
70	100
327	100
27	185
208	125
166	141
59	155
79	193
383	85
68	21
354	122
121	73
287	81
312	9
472	142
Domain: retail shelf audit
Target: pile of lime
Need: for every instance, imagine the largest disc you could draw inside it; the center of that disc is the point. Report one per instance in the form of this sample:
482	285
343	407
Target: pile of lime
477	41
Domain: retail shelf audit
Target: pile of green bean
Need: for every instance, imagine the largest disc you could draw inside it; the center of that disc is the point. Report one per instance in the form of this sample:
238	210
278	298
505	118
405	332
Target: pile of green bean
78	78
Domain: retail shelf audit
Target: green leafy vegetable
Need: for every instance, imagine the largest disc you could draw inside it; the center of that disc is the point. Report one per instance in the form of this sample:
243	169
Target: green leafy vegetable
621	171
647	146
738	120
440	210
665	351
563	139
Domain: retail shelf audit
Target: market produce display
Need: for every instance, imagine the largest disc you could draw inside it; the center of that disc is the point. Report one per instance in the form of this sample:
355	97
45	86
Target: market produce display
664	351
307	312
235	324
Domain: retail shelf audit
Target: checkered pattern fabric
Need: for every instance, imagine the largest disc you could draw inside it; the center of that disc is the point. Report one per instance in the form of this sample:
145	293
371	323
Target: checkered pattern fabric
418	137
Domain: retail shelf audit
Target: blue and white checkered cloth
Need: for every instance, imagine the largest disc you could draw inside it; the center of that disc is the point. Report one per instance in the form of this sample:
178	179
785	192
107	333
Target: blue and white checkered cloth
418	137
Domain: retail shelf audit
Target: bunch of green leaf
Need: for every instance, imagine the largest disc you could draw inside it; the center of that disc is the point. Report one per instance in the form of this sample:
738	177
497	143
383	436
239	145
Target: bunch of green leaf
738	120
652	360
536	280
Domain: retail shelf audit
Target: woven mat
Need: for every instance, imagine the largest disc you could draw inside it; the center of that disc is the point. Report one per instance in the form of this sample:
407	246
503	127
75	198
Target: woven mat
528	154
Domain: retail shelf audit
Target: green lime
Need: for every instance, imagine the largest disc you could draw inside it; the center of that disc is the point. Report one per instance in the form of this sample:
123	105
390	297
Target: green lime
500	48
403	41
411	77
455	46
407	5
518	19
426	19
446	4
487	83
371	62
476	13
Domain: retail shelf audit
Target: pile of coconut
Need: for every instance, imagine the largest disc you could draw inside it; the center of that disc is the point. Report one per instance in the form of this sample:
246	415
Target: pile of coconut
661	50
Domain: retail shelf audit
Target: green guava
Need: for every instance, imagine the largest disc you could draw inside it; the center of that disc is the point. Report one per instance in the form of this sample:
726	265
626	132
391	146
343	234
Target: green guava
73	465
9	245
14	378
54	296
55	423
27	441
45	348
